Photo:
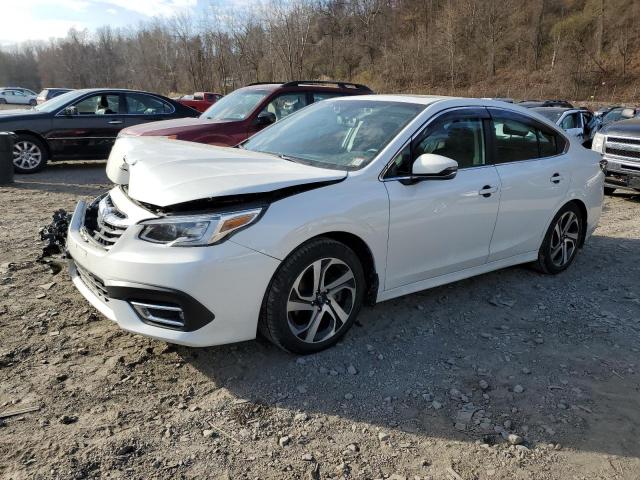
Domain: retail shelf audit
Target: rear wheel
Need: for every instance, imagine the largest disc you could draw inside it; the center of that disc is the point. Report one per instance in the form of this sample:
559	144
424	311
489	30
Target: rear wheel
560	244
29	154
609	190
314	297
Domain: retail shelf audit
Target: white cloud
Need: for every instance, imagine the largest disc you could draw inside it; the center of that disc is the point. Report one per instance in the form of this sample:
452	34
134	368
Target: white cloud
153	8
15	32
112	11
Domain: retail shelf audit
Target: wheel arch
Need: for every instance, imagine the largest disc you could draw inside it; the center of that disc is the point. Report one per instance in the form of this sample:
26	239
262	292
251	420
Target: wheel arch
364	253
361	249
38	136
585	216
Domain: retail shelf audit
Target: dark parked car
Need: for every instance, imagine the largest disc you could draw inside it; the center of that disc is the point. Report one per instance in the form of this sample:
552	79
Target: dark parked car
544	103
245	111
49	93
82	124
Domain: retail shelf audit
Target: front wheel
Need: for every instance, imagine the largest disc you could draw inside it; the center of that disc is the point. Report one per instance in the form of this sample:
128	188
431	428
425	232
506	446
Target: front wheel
29	154
3	101
33	102
314	297
560	244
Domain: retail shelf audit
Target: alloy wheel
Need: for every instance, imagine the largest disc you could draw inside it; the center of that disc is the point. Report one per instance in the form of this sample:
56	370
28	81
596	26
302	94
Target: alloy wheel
321	300
26	155
564	239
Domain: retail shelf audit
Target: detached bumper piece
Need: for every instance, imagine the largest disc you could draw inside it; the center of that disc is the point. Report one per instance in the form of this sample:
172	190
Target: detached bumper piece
156	306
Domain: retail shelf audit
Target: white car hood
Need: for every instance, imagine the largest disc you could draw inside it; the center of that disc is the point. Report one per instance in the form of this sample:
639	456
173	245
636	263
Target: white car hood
164	172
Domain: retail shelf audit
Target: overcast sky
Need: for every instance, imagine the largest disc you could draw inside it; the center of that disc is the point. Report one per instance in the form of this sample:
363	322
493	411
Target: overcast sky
44	19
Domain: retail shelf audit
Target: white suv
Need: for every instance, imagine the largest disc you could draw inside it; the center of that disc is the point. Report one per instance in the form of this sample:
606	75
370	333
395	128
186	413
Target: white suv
350	200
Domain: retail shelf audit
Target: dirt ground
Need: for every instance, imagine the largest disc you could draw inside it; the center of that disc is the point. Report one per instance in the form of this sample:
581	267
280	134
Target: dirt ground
428	386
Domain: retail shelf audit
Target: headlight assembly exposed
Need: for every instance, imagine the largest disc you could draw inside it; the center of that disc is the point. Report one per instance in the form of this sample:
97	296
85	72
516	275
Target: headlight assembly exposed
196	230
597	145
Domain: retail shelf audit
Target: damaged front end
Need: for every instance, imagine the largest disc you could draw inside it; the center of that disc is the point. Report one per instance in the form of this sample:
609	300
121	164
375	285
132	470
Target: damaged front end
55	234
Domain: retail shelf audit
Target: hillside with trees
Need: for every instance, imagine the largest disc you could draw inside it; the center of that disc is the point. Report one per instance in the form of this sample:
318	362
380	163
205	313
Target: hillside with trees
578	49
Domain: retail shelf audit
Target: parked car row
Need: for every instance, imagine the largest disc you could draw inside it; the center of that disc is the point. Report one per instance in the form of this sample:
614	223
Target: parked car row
84	124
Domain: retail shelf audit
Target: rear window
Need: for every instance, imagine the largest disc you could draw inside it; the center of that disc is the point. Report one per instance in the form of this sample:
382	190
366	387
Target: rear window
519	138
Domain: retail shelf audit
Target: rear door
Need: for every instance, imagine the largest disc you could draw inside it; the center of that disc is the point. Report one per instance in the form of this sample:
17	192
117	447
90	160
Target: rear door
535	175
91	131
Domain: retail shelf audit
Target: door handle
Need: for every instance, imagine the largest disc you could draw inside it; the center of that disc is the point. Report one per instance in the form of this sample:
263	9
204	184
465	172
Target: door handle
487	190
556	178
115	122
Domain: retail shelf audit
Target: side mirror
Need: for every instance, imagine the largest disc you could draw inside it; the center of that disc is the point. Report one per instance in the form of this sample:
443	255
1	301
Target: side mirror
70	111
429	166
628	113
266	118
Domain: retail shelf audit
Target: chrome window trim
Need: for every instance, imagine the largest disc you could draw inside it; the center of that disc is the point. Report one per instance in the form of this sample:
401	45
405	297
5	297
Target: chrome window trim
428	122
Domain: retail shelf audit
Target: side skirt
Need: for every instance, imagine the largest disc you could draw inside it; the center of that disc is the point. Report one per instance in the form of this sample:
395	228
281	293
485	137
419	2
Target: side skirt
455	276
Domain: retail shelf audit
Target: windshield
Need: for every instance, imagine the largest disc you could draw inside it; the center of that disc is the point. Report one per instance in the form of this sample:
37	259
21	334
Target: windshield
342	134
552	115
235	106
56	102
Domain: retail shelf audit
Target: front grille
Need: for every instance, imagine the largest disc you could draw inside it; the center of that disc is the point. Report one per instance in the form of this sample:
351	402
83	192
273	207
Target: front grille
623	153
93	283
630	141
104	223
624	148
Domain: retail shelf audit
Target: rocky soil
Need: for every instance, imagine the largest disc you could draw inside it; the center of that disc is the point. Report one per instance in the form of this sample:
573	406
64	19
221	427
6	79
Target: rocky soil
510	375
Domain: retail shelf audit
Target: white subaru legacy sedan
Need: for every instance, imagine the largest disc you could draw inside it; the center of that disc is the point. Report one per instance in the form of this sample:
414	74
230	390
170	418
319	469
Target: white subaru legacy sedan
350	200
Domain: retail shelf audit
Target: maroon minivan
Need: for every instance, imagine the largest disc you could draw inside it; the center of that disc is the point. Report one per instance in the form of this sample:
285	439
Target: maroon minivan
245	111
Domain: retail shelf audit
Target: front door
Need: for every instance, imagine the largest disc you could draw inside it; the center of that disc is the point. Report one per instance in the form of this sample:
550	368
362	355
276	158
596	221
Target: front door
91	130
438	227
572	124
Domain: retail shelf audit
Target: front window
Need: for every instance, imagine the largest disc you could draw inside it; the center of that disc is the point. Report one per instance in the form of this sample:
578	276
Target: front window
570	121
341	134
286	104
101	104
236	106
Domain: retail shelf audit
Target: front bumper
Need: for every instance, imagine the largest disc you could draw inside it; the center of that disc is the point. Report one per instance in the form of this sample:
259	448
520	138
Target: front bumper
622	174
220	287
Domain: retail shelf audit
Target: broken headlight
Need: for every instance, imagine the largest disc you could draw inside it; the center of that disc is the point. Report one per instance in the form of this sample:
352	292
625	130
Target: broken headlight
196	230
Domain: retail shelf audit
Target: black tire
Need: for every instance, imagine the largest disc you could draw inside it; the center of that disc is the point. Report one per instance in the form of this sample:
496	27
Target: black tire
33	102
609	190
277	321
37	147
548	255
3	101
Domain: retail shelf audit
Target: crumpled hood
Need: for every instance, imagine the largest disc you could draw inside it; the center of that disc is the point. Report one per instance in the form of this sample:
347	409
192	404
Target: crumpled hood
165	172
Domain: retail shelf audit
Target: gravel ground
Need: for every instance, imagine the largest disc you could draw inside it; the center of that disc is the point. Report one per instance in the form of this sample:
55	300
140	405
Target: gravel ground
510	375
